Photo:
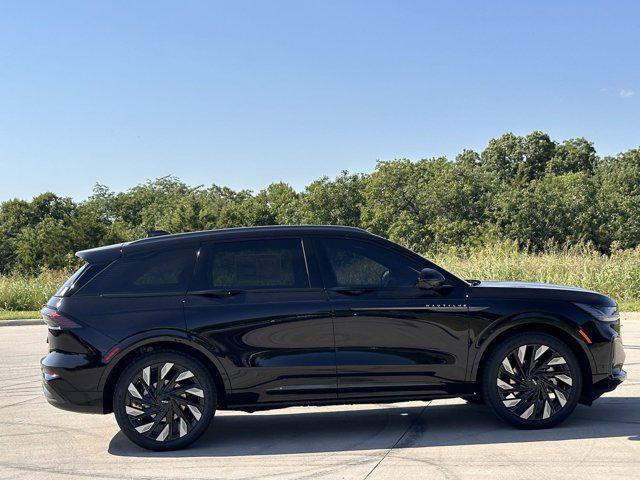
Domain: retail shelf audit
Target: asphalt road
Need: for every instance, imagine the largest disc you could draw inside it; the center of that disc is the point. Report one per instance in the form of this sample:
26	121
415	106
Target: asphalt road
441	439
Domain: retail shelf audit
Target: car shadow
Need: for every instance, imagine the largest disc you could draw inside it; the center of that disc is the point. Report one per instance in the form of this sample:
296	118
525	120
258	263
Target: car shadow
400	427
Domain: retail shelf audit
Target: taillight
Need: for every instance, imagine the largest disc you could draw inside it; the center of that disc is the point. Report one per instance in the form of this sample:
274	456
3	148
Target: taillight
56	321
49	373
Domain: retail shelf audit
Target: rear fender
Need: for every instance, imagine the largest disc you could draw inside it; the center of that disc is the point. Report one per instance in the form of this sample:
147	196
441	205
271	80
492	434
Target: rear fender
166	336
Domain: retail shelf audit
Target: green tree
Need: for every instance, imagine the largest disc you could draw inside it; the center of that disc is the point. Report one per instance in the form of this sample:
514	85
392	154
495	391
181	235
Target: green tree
43	222
14	216
552	209
333	202
518	159
526	188
575	155
45	244
618	200
427	204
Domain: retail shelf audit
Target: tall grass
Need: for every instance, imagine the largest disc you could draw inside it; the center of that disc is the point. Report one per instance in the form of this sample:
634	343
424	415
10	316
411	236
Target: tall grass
617	275
19	292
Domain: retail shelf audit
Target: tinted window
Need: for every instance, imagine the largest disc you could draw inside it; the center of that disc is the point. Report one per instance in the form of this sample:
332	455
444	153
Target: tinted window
354	263
66	286
166	271
79	278
254	264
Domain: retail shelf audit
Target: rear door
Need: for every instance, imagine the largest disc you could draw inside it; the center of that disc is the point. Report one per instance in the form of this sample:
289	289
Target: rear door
254	303
140	292
392	338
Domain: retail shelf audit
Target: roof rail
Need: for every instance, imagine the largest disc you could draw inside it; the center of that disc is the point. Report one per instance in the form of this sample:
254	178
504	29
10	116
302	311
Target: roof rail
157	233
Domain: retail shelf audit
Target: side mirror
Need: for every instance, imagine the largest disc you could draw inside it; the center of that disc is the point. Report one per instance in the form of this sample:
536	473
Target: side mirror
429	278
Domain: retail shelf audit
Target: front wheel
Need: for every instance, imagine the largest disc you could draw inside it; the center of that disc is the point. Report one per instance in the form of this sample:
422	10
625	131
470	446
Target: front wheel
532	380
164	400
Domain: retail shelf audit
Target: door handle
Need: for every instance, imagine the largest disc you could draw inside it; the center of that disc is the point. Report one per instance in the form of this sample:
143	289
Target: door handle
353	292
216	293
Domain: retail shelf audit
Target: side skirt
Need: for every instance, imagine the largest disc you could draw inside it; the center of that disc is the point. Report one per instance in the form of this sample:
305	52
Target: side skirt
349	401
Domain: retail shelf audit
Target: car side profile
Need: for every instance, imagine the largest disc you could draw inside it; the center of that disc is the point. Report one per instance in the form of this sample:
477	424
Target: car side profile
164	331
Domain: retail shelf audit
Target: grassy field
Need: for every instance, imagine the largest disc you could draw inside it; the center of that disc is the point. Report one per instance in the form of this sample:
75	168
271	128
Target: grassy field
13	315
617	275
28	293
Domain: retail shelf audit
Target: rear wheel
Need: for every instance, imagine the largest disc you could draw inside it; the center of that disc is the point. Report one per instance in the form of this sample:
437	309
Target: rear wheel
532	380
164	400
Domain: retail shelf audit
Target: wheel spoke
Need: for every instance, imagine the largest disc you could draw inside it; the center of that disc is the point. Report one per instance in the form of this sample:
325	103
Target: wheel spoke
525	402
170	418
528	412
185	401
156	421
518	367
532	358
537	411
147	386
515	378
182	417
554	361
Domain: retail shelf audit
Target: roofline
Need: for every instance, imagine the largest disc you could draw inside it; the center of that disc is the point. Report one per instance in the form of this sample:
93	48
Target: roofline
248	230
110	252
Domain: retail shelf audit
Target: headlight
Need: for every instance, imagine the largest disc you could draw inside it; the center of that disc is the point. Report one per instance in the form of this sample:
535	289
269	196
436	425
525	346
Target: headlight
603	313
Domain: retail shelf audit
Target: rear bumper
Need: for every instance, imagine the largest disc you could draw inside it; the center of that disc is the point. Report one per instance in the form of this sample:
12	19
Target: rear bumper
73	401
60	392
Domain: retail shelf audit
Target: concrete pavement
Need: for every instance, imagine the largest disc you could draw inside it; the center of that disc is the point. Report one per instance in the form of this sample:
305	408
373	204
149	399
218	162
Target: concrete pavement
445	439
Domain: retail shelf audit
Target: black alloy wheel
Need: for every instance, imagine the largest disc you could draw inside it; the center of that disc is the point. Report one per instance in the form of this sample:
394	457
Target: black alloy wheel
532	381
164	401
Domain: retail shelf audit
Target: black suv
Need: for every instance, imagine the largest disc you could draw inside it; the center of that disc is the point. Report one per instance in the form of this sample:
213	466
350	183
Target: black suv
165	330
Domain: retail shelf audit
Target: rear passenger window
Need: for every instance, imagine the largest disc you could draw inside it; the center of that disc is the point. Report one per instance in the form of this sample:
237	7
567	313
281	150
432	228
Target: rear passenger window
163	272
253	264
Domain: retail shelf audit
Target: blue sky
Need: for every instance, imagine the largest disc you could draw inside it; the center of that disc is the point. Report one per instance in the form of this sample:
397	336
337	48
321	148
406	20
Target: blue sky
247	93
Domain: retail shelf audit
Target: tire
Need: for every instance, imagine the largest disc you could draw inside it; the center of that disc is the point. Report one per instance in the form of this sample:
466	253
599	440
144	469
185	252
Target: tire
187	394
532	380
476	399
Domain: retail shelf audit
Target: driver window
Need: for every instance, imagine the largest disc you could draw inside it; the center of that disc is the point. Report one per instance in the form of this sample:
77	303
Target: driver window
354	263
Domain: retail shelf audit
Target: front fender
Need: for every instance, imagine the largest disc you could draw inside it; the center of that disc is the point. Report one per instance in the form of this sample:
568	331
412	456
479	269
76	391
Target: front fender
542	320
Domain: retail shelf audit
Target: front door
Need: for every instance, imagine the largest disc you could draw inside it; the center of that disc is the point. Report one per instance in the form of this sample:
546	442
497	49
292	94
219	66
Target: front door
253	304
392	338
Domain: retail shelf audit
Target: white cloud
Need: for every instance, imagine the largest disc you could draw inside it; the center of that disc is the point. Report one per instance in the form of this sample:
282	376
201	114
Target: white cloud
626	93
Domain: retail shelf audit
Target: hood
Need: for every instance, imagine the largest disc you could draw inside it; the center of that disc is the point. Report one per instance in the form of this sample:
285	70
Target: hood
552	286
542	291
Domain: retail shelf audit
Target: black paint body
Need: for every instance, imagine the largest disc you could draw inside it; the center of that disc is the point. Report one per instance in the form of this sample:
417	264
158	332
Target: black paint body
317	345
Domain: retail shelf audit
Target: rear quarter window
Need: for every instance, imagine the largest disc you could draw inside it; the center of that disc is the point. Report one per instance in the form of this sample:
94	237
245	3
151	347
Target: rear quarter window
157	272
66	286
80	277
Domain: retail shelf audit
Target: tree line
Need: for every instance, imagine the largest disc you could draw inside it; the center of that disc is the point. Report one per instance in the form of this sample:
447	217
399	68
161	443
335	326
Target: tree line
528	189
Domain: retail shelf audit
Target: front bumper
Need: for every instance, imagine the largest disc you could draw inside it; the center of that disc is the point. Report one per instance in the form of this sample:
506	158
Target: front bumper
609	378
609	383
